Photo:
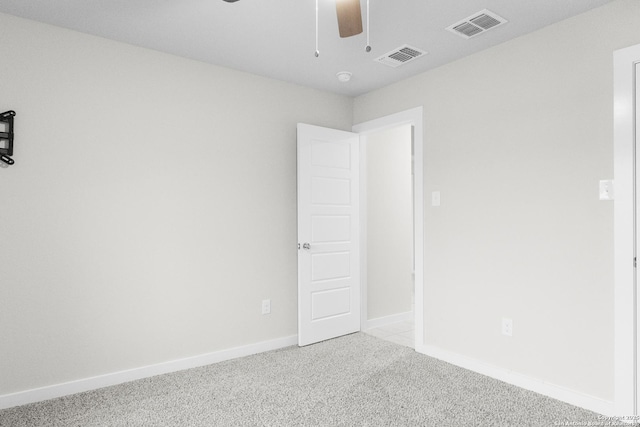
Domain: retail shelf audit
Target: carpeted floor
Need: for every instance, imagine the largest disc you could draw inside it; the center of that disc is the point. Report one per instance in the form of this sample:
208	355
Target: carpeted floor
357	380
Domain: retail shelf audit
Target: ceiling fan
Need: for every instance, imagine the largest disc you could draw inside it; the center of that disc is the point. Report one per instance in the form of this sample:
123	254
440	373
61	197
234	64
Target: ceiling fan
349	17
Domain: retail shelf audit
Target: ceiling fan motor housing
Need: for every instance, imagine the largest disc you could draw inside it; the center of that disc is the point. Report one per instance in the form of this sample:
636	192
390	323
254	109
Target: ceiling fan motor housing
349	17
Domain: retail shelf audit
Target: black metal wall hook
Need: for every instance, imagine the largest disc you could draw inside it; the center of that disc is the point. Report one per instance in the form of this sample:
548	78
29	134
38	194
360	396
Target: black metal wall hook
6	138
8	160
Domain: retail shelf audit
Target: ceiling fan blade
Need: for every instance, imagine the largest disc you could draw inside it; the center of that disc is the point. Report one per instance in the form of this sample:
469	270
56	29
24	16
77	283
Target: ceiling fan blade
349	17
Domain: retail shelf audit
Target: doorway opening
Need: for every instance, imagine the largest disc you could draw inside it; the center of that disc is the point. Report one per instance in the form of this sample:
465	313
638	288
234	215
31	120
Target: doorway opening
387	228
392	267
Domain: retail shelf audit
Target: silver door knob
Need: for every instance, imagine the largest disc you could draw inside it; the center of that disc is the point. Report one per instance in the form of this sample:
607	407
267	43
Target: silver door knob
306	246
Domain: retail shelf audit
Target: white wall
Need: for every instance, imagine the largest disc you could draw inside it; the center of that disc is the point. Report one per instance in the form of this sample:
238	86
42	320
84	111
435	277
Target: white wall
389	222
517	138
152	204
151	208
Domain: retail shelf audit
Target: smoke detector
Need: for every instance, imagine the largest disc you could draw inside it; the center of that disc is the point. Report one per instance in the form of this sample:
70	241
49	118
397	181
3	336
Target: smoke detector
344	76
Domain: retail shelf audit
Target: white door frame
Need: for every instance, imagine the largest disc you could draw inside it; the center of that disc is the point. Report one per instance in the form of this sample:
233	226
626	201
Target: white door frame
413	117
626	377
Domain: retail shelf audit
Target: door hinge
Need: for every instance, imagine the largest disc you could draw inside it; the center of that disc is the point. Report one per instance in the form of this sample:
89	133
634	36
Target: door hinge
635	262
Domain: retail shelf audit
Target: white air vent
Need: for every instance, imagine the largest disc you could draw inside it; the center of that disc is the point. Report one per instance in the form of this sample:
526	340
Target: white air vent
400	56
477	23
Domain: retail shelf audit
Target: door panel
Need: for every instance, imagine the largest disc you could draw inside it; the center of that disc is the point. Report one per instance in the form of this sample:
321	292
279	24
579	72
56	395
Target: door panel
327	229
334	302
331	155
328	234
330	266
331	191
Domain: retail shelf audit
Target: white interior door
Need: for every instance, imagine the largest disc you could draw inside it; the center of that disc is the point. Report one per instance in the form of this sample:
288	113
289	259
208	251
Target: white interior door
328	234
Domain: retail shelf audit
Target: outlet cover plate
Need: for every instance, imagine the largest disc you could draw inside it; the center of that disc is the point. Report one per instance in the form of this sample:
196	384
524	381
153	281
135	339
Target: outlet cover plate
507	327
266	306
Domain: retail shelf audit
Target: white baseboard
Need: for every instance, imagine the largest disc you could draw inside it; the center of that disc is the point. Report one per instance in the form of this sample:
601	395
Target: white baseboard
572	397
93	383
387	320
563	394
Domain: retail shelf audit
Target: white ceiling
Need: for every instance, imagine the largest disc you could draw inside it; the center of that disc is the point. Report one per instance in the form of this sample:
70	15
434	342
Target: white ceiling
276	38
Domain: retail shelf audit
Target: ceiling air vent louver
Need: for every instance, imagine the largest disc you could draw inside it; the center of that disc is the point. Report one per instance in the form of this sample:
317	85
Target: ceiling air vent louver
400	56
477	23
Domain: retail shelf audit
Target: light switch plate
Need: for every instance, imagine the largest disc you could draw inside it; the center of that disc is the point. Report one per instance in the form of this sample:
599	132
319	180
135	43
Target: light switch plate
606	189
435	198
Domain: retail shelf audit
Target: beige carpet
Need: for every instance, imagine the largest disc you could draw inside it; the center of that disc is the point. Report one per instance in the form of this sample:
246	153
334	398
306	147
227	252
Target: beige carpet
357	380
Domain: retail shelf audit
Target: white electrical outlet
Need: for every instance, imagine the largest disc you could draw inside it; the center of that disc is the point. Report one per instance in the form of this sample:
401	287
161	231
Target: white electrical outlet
507	327
266	306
